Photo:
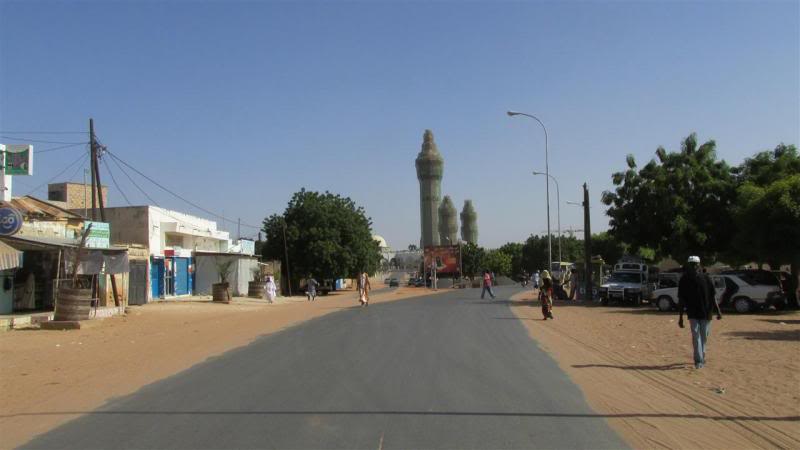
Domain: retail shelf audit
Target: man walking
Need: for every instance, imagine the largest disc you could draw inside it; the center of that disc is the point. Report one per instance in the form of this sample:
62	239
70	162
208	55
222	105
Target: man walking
311	288
696	296
487	284
363	288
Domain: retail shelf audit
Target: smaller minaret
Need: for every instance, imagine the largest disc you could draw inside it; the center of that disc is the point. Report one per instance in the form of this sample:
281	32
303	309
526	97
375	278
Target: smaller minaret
448	222
469	223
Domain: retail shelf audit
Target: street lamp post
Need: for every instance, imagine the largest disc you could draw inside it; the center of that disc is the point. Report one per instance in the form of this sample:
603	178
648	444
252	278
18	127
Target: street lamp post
547	183
558	210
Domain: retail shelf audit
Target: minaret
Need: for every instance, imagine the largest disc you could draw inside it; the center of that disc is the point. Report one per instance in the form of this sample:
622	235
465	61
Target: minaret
448	222
469	223
430	166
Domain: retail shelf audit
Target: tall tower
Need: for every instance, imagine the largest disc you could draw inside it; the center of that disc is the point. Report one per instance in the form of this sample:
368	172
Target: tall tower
448	222
469	223
430	166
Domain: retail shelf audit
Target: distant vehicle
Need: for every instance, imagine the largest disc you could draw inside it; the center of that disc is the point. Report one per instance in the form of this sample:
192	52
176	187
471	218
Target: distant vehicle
394	282
666	298
749	290
387	280
559	268
419	282
411	281
625	287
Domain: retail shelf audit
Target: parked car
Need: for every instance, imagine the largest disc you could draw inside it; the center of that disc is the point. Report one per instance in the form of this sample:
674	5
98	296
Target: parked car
411	281
666	298
625	287
394	282
387	280
420	282
749	290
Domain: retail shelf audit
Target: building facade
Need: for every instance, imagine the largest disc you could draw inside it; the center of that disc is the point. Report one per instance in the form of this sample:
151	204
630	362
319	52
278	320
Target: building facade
74	195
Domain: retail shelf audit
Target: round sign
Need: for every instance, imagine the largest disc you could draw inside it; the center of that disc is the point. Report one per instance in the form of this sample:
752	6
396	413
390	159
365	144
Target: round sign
10	221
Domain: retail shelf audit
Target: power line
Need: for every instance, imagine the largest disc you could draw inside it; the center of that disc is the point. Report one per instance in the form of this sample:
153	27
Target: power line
164	210
133	182
61	147
108	169
81	158
178	196
42	132
41	141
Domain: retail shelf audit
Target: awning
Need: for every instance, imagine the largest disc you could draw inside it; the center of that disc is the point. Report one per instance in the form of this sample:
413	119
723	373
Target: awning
10	257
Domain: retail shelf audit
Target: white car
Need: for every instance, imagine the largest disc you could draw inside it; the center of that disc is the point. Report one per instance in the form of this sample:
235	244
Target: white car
666	299
748	290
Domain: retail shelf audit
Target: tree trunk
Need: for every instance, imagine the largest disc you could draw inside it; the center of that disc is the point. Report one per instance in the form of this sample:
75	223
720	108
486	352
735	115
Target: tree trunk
793	285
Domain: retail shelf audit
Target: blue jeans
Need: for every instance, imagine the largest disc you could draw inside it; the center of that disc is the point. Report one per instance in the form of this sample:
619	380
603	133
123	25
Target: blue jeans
700	331
487	289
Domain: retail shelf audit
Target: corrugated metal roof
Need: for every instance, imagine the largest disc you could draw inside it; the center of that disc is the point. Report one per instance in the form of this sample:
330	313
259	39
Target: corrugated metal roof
33	207
9	257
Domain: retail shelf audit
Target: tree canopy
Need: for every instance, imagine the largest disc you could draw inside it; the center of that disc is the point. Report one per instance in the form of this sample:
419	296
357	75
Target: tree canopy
327	236
677	205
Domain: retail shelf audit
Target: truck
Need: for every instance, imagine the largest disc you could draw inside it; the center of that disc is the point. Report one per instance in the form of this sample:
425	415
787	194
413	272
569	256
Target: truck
629	283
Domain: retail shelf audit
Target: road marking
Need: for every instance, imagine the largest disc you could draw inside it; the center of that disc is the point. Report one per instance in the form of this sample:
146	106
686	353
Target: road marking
380	443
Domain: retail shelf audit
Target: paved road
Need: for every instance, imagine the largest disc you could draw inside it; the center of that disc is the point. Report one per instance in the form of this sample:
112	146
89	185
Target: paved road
446	371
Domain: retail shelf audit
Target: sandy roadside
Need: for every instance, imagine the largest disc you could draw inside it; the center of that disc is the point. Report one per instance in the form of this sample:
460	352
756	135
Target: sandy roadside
50	377
633	365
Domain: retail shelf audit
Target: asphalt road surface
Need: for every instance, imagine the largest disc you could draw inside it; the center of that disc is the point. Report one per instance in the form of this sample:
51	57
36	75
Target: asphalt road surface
446	371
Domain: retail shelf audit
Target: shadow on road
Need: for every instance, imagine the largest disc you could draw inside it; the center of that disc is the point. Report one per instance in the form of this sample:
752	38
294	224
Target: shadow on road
782	322
412	413
777	335
674	366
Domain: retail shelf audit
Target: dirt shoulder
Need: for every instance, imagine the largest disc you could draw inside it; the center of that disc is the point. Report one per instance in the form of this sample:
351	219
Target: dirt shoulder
635	366
50	377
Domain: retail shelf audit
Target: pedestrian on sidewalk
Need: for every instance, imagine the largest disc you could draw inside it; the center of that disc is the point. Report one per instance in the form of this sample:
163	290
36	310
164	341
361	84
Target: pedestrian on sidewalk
363	288
270	289
697	296
487	284
546	295
311	288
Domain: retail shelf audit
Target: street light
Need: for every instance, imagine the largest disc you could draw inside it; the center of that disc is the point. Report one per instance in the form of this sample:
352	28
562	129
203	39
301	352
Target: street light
547	183
558	210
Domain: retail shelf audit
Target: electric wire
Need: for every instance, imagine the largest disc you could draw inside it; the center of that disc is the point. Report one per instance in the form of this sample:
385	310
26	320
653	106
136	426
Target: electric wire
113	179
39	141
178	196
164	210
42	132
134	183
81	158
60	147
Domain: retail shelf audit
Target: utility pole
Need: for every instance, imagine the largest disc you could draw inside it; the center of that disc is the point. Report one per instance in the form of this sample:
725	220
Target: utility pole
96	182
286	254
239	229
93	156
587	245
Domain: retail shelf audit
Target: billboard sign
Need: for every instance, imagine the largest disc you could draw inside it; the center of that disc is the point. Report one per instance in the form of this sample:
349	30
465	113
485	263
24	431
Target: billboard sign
10	221
446	258
99	236
18	159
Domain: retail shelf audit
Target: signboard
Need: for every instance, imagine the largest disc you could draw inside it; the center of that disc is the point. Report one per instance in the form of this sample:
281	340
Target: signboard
19	159
99	236
10	221
446	258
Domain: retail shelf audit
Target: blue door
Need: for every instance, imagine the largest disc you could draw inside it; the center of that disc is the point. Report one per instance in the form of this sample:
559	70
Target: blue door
182	276
157	277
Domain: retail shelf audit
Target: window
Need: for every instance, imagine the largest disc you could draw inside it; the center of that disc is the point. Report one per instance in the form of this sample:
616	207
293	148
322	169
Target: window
56	196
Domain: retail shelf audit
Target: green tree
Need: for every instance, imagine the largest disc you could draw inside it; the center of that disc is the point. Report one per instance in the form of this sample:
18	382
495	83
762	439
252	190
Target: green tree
514	251
327	235
767	167
472	258
607	247
498	262
534	254
677	205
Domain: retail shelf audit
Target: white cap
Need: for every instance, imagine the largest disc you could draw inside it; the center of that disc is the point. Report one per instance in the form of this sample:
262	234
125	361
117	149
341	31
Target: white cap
694	259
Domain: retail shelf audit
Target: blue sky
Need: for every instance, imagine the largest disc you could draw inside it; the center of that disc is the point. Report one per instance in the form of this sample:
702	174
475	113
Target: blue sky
236	105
